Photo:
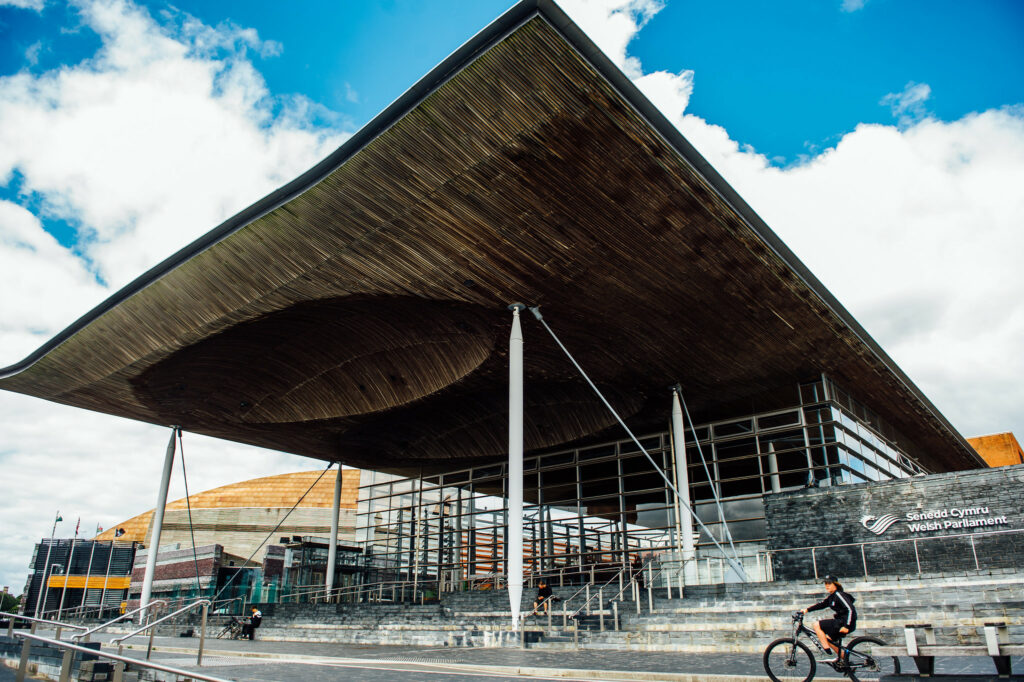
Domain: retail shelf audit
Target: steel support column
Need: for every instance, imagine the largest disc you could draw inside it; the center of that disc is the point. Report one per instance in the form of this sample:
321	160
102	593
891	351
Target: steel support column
514	546
158	524
332	547
683	486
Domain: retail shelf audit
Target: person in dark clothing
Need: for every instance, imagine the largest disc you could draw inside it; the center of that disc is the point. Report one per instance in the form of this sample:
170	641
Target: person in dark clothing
830	631
543	597
249	629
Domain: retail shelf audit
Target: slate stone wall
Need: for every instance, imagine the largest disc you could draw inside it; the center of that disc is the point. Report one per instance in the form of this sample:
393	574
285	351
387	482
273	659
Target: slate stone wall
841	515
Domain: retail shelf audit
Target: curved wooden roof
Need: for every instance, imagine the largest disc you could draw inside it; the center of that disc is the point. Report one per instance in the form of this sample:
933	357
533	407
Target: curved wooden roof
270	492
359	313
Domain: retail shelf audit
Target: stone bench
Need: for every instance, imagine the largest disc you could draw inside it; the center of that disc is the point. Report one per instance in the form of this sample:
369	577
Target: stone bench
924	654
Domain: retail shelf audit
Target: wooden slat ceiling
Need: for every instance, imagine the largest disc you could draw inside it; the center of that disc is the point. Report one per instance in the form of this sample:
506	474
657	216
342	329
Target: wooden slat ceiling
365	320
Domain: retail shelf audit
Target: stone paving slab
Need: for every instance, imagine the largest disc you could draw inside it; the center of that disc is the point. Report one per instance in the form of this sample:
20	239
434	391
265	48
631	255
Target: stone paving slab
316	662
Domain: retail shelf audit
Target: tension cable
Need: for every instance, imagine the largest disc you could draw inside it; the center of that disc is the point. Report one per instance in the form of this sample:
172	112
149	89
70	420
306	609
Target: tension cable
732	561
271	533
188	505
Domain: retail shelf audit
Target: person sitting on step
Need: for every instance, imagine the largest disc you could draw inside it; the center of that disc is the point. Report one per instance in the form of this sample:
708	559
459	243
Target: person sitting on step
249	629
543	597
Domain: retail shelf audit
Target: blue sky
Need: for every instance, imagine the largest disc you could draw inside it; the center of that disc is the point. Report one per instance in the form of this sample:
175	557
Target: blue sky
882	140
786	78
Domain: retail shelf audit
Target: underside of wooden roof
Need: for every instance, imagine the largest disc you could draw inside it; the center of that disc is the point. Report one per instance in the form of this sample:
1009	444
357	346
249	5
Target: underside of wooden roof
359	314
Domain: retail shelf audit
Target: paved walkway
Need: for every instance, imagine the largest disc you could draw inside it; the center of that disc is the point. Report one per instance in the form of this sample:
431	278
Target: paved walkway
324	662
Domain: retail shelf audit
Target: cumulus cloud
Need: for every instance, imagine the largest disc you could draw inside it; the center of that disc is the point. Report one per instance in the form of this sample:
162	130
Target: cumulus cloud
169	128
916	227
158	137
36	5
42	282
908	105
916	231
612	25
166	131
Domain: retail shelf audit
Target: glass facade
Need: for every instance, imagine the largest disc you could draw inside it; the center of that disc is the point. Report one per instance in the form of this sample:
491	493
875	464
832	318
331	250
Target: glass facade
590	510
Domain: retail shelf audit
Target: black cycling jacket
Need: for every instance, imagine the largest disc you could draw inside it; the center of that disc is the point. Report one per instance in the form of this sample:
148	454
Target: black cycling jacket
842	604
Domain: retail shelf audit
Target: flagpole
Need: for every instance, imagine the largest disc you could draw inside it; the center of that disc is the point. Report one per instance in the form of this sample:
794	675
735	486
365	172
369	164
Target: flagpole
46	566
88	573
67	569
103	594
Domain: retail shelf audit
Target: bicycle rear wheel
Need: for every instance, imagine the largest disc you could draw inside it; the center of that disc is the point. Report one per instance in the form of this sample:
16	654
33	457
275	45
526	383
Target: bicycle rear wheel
785	659
865	665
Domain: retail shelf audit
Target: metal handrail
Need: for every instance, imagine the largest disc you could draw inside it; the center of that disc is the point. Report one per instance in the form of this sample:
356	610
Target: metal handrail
121	660
337	591
598	593
60	625
913	541
881	542
200	602
86	634
54	610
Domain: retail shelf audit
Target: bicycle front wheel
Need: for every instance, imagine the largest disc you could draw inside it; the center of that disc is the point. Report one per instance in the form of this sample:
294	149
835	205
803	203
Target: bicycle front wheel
864	664
786	659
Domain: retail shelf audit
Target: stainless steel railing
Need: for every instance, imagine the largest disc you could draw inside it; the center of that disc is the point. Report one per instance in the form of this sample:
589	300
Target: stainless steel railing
151	627
121	661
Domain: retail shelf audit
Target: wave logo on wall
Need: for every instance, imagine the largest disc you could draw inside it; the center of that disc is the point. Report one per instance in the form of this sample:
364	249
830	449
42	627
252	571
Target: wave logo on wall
878	525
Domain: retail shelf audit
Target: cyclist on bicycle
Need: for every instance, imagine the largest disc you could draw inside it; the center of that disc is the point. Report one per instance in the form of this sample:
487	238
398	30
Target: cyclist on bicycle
830	631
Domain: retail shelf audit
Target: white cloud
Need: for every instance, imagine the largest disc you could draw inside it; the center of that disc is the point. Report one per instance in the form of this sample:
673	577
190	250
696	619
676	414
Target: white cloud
915	228
908	105
917	232
42	283
165	132
155	139
36	5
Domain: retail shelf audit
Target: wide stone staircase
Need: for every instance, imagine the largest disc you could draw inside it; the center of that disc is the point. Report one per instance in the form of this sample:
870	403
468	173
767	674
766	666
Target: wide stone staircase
740	618
477	618
745	618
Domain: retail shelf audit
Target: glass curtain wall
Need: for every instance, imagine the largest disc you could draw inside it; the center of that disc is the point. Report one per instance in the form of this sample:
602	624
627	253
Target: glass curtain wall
589	511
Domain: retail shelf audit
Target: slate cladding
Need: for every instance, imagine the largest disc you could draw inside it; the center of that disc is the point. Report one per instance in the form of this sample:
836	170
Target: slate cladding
984	507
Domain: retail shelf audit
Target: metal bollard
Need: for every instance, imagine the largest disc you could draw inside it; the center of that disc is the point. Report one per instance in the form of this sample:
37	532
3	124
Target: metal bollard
202	636
118	672
600	607
65	665
615	614
650	599
26	647
636	596
588	599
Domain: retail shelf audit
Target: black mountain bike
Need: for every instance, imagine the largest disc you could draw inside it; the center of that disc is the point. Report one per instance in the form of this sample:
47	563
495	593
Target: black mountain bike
789	658
233	630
